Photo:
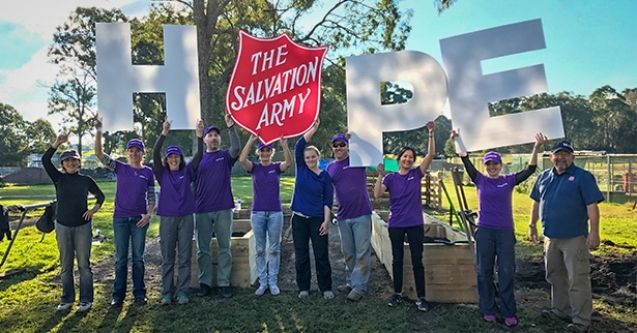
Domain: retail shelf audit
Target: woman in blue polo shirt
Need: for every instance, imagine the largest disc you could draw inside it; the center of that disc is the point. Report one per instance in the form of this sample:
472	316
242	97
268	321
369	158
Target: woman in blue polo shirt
311	207
495	235
267	215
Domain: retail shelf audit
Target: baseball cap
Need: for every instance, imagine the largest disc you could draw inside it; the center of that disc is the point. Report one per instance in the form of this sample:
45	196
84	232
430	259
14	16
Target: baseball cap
211	128
173	150
339	137
69	154
135	143
563	145
260	146
492	156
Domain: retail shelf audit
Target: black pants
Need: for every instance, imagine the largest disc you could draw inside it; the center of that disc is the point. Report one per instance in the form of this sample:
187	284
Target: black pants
415	237
304	229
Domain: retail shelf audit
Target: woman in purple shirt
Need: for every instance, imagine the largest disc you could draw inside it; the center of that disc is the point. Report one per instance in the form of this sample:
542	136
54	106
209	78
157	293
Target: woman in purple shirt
405	216
495	235
175	210
267	215
134	204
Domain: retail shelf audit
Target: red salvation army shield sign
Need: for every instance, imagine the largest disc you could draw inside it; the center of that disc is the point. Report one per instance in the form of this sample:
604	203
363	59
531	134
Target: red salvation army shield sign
275	89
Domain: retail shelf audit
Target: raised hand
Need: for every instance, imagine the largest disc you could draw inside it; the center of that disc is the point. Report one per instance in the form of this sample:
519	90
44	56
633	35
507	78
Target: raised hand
381	169
229	121
540	139
453	135
253	138
431	126
98	123
61	139
165	127
199	129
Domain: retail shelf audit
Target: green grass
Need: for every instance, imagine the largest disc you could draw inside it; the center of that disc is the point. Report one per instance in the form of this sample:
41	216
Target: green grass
27	300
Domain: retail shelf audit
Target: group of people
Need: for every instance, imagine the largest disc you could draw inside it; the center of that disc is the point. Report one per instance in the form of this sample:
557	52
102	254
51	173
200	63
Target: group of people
564	197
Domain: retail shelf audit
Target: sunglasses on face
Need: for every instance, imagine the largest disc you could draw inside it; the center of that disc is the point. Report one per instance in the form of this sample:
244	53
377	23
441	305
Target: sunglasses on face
338	145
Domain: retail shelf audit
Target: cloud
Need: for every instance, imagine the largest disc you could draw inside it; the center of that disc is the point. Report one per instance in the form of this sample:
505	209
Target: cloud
26	87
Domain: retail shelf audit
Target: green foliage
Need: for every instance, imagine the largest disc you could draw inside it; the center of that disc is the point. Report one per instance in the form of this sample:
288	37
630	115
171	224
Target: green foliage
19	137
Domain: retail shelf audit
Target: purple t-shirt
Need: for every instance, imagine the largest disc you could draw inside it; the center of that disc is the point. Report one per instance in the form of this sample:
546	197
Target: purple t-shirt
132	188
494	201
213	191
265	187
176	197
405	203
350	186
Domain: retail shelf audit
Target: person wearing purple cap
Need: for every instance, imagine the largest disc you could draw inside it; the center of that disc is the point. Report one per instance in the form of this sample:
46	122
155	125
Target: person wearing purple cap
311	208
405	216
73	227
267	215
354	218
495	234
213	207
134	204
175	209
565	199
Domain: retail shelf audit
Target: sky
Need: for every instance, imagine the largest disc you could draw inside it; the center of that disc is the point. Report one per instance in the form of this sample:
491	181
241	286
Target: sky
588	43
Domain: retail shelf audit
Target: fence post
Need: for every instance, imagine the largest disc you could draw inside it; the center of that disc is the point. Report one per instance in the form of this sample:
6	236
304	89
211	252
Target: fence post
610	179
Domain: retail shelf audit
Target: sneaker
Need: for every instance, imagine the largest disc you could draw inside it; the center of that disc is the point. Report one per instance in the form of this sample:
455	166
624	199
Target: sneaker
166	299
182	298
573	327
422	305
226	291
550	314
304	294
274	290
344	288
63	306
395	300
116	303
355	295
489	318
84	306
261	290
328	294
141	300
204	290
511	321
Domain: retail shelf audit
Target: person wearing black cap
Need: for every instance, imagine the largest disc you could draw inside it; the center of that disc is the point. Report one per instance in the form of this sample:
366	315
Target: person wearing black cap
175	209
267	215
73	227
495	233
565	199
134	205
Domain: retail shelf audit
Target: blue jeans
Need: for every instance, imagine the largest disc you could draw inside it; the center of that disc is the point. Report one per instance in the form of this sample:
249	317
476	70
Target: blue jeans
267	227
219	222
127	232
75	242
356	236
496	245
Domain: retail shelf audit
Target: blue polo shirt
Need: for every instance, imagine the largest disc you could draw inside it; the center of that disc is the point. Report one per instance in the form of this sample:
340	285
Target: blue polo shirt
563	200
311	191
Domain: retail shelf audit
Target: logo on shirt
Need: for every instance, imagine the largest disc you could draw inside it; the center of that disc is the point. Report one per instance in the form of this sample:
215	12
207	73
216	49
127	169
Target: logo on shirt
410	178
220	159
272	171
571	178
502	185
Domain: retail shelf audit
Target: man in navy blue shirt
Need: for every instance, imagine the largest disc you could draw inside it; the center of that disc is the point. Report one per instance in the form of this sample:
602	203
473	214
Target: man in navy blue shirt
565	198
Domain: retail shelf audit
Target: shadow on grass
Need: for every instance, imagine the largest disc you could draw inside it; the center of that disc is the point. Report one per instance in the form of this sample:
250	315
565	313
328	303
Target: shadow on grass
110	319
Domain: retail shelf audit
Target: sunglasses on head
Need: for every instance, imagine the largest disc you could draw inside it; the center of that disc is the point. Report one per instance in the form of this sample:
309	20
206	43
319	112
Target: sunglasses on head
338	145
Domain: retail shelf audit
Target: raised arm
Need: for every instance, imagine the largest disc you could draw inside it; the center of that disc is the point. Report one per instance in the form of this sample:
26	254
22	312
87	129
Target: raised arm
431	149
310	133
243	158
199	154
235	142
99	151
50	169
379	187
523	175
287	155
299	147
157	161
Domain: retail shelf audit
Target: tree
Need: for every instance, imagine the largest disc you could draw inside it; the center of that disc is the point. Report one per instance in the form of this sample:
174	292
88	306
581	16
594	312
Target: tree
40	134
12	139
73	49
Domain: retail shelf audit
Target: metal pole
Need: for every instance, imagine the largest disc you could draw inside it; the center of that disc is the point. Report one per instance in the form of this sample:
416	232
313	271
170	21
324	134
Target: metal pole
610	183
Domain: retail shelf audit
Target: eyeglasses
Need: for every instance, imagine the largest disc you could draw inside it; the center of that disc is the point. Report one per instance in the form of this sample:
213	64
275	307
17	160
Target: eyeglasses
338	145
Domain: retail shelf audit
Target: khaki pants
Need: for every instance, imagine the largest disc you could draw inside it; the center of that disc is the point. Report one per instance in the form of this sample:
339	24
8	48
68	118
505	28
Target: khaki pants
568	271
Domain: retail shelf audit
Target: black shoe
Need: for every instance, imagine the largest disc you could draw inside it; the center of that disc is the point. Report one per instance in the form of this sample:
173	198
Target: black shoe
204	290
226	292
395	300
141	300
116	303
422	305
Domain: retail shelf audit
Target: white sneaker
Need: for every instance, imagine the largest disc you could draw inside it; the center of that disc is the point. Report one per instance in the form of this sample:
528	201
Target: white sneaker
274	290
328	294
63	306
261	290
85	306
304	294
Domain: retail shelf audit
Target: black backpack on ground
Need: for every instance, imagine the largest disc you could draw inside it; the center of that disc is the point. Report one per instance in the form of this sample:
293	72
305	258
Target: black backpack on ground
46	222
5	230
